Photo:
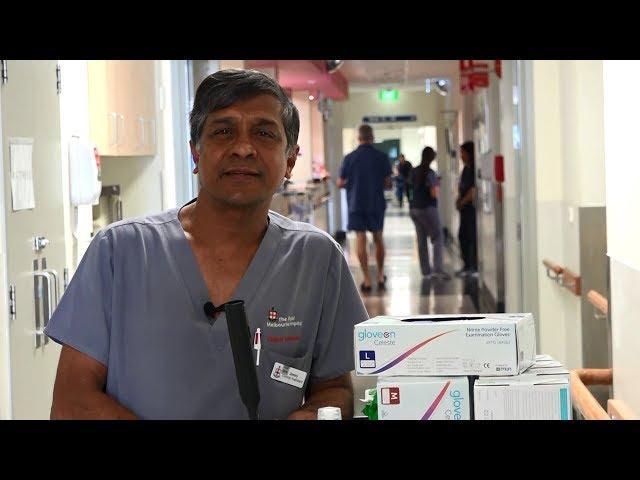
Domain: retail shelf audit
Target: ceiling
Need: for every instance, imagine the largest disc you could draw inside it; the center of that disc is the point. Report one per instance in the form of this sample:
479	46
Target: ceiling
366	74
356	75
306	75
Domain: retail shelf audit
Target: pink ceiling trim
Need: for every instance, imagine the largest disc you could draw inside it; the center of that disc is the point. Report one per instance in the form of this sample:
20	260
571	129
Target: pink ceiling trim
306	75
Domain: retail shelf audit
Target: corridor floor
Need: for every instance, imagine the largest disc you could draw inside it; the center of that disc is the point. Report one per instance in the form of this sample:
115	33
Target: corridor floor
407	292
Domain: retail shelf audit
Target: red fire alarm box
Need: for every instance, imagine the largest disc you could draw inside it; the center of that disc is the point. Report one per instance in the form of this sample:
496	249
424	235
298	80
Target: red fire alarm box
498	167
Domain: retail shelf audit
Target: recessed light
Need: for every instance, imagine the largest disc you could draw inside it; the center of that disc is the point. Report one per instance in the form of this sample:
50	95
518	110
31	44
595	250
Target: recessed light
311	97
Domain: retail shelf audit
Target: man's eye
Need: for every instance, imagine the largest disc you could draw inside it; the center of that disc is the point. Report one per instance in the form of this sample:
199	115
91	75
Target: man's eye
266	133
222	131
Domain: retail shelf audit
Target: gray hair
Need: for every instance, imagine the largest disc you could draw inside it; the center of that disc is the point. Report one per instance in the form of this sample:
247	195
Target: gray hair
225	87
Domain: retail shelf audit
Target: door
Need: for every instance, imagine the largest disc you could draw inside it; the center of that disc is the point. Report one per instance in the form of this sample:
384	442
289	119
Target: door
31	110
489	206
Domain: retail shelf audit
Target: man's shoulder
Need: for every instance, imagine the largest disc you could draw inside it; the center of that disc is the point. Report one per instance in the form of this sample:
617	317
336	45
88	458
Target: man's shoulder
303	231
142	222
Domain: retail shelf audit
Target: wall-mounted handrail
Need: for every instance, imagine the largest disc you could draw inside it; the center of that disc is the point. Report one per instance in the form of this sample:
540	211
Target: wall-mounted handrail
563	276
595	376
598	301
553	267
581	397
572	281
618	410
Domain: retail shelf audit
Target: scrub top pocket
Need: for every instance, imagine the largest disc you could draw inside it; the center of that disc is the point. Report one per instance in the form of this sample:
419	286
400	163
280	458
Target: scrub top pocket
278	399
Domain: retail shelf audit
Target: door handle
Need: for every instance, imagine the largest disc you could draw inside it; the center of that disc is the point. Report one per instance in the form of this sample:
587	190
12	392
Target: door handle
56	284
39	332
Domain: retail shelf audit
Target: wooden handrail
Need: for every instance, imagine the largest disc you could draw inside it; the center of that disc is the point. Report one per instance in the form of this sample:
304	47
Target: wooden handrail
572	281
582	398
595	376
618	410
555	268
598	301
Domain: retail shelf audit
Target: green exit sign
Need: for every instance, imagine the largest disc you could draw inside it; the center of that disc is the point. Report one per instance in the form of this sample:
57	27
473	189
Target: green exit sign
390	95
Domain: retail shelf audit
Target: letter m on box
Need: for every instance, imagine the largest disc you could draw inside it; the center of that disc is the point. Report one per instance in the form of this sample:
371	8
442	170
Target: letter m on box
390	396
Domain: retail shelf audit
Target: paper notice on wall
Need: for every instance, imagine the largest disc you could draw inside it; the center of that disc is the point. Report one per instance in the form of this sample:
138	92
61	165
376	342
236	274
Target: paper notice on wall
21	155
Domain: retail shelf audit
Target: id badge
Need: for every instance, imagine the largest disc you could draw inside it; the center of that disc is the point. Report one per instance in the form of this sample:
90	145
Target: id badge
289	375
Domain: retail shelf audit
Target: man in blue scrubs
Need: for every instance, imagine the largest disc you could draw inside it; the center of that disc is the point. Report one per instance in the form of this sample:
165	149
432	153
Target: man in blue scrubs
136	340
365	173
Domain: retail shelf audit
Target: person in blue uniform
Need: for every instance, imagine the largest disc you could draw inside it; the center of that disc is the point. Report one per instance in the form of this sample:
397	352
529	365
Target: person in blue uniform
136	340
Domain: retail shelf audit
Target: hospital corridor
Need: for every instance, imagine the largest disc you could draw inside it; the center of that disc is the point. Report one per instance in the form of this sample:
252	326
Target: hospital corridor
252	239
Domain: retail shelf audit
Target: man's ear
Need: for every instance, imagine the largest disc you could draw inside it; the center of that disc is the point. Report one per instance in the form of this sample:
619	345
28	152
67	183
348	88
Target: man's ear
291	161
195	154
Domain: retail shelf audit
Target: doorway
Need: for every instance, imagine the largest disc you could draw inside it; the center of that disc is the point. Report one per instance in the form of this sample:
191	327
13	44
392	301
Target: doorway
390	147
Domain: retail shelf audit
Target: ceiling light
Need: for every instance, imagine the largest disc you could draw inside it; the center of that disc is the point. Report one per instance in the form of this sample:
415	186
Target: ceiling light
312	98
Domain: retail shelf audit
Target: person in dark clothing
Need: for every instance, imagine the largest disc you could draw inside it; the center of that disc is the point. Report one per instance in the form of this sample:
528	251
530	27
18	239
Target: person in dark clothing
423	210
467	234
366	173
404	170
398	180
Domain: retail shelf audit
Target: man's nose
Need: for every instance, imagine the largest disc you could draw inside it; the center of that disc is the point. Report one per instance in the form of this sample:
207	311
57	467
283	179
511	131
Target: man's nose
243	146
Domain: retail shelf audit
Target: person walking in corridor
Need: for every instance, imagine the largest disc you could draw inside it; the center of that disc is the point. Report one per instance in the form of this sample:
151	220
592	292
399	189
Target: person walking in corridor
423	210
465	205
365	173
404	171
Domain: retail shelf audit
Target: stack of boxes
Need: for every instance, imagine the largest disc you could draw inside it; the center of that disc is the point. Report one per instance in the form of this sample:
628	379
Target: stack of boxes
460	367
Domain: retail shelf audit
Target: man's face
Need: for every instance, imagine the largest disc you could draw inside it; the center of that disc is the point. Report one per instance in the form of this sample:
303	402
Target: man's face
241	159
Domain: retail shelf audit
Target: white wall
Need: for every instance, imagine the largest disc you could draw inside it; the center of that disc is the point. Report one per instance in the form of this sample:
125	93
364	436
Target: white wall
302	170
333	158
317	136
569	159
622	162
74	120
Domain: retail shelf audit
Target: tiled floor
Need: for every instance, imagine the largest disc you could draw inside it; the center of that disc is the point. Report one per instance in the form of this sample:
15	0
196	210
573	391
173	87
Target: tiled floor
407	291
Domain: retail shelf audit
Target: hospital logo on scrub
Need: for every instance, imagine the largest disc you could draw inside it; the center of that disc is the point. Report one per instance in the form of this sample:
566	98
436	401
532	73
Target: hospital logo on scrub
274	320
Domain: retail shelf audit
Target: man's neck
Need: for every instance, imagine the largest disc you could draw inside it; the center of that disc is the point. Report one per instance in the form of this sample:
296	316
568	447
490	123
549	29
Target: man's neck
209	221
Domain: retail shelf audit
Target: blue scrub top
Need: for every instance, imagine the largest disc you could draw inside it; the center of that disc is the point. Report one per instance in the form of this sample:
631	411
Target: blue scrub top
135	304
365	169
